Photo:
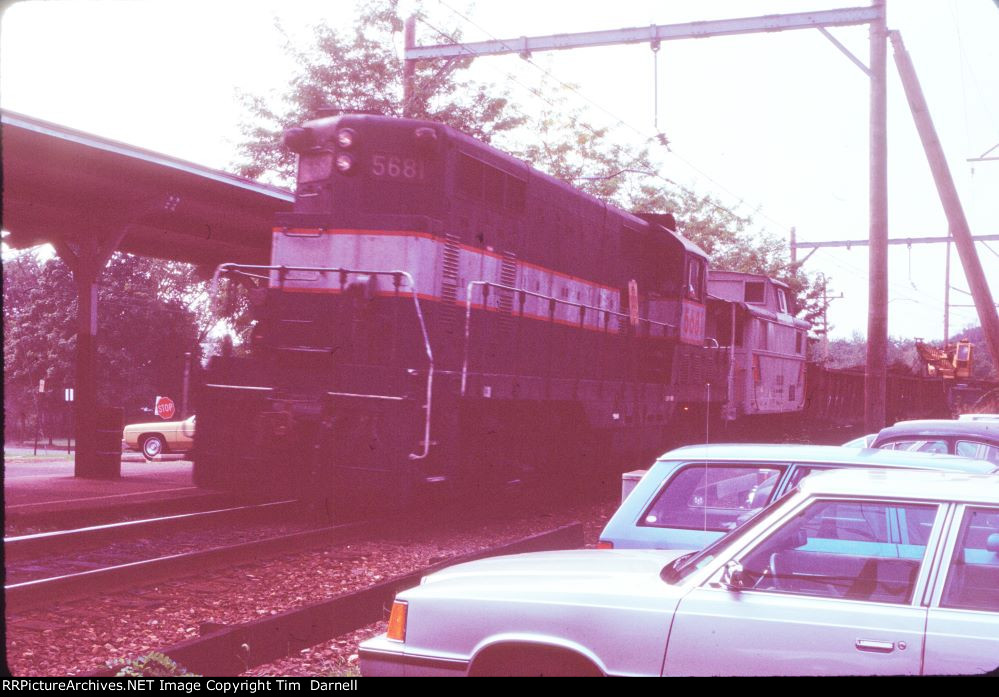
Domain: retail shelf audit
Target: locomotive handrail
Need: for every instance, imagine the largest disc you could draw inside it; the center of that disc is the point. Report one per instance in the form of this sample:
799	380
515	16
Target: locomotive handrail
282	269
549	298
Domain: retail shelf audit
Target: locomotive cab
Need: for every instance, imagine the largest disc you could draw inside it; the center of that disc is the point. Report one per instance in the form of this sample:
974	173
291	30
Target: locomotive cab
767	344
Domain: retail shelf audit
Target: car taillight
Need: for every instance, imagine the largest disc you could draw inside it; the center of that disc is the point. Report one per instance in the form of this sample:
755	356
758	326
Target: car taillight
604	544
397	621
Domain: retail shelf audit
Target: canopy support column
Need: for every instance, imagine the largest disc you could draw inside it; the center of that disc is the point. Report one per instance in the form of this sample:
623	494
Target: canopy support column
86	257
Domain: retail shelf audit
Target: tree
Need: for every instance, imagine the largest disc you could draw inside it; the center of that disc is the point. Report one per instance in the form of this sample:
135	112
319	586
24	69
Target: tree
144	331
361	72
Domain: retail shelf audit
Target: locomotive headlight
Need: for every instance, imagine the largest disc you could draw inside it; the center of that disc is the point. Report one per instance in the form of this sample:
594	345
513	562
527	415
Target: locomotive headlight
344	164
345	137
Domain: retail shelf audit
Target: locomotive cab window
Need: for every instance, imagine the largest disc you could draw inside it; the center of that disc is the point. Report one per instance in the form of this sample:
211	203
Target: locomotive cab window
694	278
315	166
782	300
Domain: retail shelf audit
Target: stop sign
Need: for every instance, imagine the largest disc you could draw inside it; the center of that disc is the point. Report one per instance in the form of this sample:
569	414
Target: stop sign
164	407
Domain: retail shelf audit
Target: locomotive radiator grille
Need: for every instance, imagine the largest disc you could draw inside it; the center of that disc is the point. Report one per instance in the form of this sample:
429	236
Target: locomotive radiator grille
450	266
504	298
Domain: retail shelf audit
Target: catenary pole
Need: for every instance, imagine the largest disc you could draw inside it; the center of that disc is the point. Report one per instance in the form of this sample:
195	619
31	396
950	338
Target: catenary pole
877	306
956	220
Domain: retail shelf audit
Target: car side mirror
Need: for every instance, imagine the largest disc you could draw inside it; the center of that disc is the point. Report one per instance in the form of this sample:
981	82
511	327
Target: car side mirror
733	577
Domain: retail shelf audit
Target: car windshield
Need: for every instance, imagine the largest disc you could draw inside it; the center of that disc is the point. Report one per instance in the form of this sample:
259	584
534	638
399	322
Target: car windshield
683	566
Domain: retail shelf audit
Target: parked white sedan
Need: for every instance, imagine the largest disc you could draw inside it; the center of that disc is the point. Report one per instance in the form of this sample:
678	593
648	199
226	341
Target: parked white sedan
154	439
853	573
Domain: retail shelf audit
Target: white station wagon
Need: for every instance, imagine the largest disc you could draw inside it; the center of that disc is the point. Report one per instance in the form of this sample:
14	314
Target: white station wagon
852	573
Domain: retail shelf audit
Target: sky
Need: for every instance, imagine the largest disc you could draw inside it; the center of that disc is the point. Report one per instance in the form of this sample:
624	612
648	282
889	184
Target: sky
773	125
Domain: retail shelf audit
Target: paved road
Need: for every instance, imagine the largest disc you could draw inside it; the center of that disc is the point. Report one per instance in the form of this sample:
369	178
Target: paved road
20	463
31	481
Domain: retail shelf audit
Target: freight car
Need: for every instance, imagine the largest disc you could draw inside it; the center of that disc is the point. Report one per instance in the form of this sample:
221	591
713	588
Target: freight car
439	315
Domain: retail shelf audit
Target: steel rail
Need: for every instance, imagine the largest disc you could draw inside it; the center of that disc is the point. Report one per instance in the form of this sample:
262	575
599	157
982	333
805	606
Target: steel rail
48	591
26	546
75	513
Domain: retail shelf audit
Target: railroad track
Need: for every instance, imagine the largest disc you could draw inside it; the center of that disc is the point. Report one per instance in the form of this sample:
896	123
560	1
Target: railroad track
46	568
21	547
77	513
231	650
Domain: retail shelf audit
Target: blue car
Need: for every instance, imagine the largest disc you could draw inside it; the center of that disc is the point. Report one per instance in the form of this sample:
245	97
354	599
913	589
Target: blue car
693	495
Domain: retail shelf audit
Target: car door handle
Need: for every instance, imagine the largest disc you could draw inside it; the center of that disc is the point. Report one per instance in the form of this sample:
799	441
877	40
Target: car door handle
875	646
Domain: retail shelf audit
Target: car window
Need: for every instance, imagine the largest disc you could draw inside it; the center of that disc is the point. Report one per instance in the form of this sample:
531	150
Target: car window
858	550
711	496
682	567
801	472
973	574
921	446
979	451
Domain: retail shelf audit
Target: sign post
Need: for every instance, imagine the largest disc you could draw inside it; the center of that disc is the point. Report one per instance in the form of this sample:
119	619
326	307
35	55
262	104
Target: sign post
68	397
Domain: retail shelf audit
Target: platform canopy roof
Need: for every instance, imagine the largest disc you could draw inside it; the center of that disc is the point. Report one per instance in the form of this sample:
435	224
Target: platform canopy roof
63	183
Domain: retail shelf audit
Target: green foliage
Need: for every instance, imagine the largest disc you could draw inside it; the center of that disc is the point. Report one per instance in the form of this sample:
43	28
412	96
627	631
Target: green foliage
902	355
360	71
564	143
152	665
144	329
729	240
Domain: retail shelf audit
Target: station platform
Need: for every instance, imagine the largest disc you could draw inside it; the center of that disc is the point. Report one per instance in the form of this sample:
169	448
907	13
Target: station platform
41	486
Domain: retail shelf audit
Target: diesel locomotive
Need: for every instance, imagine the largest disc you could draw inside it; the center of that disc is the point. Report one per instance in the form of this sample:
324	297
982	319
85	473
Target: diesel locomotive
439	316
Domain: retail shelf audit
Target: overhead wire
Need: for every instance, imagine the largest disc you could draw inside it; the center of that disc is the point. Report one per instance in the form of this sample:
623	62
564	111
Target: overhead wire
656	138
646	138
986	245
899	289
970	66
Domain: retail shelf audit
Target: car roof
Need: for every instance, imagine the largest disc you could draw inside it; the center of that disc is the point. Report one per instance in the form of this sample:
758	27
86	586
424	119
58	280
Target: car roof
943	427
978	417
825	454
883	483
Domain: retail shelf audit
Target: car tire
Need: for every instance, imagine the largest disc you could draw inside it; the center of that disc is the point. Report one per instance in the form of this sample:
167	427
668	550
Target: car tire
153	446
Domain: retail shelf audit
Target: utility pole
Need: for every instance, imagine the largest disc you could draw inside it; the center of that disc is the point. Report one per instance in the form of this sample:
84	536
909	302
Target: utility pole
908	241
877	306
825	318
408	66
186	386
956	220
947	299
